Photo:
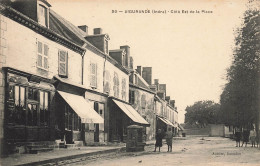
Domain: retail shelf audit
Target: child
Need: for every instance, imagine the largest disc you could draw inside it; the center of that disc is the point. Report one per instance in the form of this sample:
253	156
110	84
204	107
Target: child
168	137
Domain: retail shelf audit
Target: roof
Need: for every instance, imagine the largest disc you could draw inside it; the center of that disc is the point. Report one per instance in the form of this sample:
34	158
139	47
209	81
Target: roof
63	27
117	50
66	29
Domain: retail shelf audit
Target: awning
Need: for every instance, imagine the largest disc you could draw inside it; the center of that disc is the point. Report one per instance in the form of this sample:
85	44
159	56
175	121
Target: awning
82	107
170	123
131	113
166	121
180	127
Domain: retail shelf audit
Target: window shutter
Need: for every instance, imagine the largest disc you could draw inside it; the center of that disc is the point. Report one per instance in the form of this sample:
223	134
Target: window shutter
39	55
46	49
40	47
45	53
63	58
39	60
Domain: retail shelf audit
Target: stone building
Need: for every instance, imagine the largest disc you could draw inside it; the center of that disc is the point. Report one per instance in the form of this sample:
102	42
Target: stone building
57	81
142	99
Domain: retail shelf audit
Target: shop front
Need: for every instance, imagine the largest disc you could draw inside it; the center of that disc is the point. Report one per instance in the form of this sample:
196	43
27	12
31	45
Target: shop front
76	118
29	111
164	124
122	115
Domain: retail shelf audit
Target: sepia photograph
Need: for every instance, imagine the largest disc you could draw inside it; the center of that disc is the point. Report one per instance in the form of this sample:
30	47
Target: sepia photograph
129	82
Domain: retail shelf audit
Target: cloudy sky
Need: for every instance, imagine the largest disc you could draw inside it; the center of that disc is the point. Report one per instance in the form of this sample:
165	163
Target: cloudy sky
189	52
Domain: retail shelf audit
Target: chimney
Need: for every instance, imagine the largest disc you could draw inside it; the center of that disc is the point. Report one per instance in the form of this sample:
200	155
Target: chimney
127	50
156	81
97	31
139	70
83	28
172	103
161	95
168	98
162	88
131	63
99	40
147	74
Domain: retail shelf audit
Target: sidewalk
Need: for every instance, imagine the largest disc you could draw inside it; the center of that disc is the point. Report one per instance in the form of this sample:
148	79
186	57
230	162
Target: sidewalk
57	155
61	154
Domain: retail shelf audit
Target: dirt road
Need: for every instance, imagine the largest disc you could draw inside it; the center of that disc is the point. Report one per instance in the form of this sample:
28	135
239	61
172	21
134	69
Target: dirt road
213	151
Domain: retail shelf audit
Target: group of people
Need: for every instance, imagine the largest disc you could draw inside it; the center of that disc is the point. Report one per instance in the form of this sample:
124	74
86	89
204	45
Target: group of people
160	135
245	137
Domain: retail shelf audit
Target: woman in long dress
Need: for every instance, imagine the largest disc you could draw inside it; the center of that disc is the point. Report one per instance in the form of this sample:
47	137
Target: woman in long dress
158	137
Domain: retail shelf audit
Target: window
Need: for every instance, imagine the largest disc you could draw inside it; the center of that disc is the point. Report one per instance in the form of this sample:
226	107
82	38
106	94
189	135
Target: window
72	120
44	108
143	101
131	96
32	115
106	46
123	89
93	75
42	60
107	82
99	108
63	63
136	79
16	105
116	85
32	94
42	16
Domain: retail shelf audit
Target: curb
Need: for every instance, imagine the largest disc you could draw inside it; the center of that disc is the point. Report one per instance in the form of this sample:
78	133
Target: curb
55	160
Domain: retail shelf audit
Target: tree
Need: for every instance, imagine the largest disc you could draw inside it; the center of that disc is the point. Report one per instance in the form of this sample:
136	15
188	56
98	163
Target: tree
202	113
239	99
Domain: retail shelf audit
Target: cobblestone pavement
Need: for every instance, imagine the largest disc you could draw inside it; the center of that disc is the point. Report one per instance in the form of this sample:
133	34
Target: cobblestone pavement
211	151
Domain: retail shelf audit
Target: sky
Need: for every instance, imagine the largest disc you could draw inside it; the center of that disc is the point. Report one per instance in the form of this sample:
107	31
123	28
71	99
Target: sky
189	52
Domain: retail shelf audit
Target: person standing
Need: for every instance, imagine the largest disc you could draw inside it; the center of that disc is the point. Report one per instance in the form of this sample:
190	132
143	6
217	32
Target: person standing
169	135
253	137
245	137
238	137
158	137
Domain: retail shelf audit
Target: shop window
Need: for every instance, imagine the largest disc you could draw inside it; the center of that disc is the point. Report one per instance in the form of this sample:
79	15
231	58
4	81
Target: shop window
32	115
19	113
72	120
32	94
63	63
42	56
44	108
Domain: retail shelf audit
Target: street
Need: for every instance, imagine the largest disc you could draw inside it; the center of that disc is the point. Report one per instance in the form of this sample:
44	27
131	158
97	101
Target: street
186	151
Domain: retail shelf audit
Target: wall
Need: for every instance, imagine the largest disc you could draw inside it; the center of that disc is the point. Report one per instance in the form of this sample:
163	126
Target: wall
159	110
91	57
121	75
22	53
145	110
3	54
217	130
19	51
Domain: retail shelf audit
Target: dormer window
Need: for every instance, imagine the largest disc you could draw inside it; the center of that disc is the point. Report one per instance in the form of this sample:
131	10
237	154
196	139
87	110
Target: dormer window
43	13
106	44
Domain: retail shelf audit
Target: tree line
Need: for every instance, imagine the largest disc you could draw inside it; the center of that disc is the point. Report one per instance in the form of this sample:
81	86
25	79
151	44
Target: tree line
240	100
